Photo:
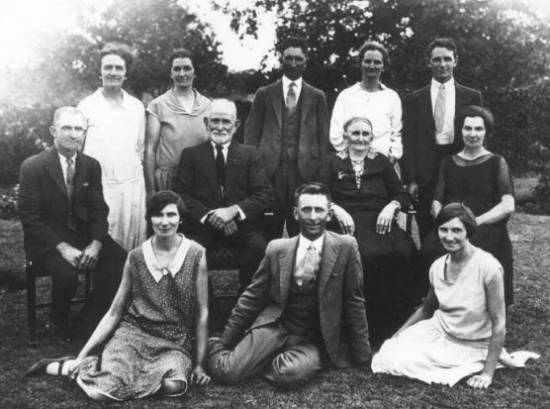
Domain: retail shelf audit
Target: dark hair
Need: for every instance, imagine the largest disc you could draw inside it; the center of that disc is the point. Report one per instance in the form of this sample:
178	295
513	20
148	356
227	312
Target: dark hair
122	50
311	188
181	53
484	113
444	42
375	45
291	42
161	199
462	212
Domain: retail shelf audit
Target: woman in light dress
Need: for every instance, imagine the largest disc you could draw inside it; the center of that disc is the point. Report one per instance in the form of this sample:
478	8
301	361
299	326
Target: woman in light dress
459	331
158	317
175	120
115	137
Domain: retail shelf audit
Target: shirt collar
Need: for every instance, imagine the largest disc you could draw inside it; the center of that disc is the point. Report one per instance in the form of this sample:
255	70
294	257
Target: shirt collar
436	84
304	243
63	159
287	81
224	145
156	270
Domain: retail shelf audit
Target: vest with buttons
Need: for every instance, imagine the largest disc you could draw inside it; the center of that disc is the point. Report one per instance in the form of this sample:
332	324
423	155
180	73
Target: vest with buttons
290	133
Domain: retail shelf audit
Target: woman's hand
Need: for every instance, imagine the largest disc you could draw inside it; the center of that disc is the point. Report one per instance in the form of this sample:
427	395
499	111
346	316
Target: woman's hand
344	219
480	381
385	218
199	377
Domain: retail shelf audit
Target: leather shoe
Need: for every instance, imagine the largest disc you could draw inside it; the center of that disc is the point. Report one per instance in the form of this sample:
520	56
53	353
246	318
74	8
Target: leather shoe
39	367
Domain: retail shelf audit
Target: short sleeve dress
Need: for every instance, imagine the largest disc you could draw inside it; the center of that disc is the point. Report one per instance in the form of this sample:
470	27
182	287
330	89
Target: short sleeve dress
453	343
480	185
154	340
179	129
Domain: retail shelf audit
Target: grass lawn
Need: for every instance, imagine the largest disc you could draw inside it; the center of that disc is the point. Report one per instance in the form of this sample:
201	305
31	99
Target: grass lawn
528	328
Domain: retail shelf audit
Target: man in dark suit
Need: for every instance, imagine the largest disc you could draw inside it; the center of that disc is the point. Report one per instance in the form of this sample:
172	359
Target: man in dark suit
304	307
224	187
430	127
289	123
64	219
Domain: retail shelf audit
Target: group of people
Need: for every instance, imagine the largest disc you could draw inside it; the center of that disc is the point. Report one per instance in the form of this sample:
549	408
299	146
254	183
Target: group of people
346	281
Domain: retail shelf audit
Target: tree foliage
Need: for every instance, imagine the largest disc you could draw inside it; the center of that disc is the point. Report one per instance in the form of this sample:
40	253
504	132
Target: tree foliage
501	42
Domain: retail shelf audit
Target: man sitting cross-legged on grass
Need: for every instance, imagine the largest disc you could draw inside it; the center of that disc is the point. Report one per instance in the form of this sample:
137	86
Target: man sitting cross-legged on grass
304	306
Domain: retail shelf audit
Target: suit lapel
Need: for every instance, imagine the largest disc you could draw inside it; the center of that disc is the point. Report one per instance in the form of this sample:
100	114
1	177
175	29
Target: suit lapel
307	100
276	92
79	173
232	164
208	164
53	167
427	109
286	267
328	260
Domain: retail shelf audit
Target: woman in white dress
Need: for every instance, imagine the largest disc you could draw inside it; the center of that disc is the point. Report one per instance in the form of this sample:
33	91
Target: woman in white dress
116	133
371	99
459	330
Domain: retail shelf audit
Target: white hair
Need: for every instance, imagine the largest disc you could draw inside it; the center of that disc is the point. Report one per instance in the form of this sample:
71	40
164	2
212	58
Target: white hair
223	105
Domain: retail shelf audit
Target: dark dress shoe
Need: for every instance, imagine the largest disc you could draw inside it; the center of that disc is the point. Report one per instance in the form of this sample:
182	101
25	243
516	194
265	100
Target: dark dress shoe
39	367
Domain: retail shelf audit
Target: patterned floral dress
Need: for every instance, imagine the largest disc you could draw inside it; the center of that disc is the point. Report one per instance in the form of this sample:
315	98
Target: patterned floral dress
154	340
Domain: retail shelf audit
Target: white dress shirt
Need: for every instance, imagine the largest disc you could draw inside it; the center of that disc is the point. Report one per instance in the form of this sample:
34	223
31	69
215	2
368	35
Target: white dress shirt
63	161
297	88
303	245
447	135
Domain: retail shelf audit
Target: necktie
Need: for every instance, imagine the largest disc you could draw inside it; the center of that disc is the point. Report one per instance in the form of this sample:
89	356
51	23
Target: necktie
439	110
220	165
306	270
69	183
291	97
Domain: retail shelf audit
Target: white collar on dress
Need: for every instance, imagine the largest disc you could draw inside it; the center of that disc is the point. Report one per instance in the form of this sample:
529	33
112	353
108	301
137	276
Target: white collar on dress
158	271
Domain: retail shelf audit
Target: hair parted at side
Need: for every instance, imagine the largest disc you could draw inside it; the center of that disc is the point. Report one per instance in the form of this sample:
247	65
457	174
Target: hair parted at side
444	42
123	50
294	42
311	188
460	211
472	111
161	199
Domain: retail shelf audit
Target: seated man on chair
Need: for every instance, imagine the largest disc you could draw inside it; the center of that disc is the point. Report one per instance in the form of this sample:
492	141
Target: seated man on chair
64	221
224	187
304	307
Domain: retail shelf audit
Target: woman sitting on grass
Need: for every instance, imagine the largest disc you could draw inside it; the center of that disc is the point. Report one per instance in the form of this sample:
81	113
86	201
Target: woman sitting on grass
459	330
160	307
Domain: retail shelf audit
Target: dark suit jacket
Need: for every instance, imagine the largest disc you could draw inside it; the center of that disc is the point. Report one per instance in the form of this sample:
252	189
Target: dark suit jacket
263	128
341	302
245	182
419	148
44	205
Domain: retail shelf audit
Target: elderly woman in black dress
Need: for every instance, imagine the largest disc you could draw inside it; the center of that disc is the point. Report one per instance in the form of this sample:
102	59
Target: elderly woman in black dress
367	194
481	180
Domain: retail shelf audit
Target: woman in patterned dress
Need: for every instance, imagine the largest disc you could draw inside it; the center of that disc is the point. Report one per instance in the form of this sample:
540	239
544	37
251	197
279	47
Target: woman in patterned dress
158	314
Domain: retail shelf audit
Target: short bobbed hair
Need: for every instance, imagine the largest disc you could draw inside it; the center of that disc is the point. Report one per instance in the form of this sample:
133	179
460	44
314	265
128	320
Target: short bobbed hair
311	188
159	201
294	42
181	53
472	111
444	42
122	50
460	211
375	45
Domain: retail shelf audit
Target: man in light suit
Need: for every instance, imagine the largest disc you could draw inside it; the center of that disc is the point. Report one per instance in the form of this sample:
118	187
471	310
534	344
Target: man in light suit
224	187
64	219
304	307
289	123
430	128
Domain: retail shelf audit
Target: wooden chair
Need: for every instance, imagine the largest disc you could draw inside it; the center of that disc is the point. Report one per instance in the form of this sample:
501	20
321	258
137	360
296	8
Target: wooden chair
33	272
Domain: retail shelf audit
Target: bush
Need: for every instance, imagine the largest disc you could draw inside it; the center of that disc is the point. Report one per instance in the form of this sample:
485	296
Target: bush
23	132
